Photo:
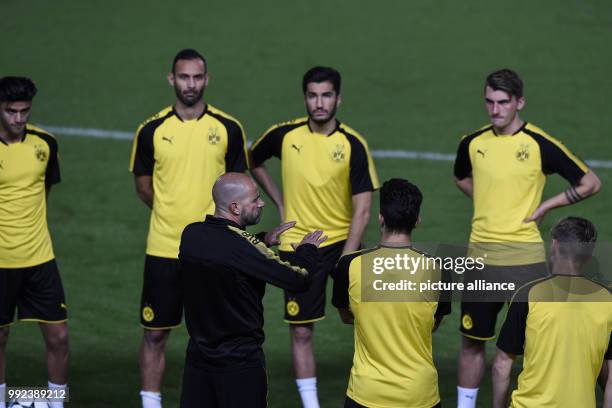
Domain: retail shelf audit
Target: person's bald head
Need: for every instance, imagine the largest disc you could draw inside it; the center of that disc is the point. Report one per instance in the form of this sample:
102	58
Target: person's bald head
236	198
230	187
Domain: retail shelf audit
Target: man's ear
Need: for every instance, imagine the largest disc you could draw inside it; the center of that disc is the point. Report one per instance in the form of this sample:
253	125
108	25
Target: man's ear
170	78
234	208
554	247
418	221
520	103
381	220
339	100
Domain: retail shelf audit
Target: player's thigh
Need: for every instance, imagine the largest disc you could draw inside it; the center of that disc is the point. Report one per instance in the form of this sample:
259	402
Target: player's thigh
42	296
161	305
309	306
478	319
10	288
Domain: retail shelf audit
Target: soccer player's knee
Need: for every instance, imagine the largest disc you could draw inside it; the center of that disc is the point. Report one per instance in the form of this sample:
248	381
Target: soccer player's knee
302	334
472	346
57	340
155	338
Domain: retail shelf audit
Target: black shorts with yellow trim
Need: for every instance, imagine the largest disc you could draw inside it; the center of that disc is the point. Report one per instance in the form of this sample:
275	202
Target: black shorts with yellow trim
161	304
478	318
309	306
239	388
36	292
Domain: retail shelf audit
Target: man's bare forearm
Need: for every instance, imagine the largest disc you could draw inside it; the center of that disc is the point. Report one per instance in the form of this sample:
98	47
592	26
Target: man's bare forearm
466	186
588	186
362	204
261	175
144	189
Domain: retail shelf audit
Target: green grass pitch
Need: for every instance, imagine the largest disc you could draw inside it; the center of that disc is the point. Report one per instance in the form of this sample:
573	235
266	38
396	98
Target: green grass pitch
413	74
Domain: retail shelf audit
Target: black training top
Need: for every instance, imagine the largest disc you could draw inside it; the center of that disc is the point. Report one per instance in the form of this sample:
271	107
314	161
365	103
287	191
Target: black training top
225	270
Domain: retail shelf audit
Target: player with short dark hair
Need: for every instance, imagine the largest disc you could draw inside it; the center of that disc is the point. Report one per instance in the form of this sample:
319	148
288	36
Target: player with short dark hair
29	278
17	89
188	54
400	203
502	167
393	363
505	80
225	270
563	326
328	177
320	75
176	157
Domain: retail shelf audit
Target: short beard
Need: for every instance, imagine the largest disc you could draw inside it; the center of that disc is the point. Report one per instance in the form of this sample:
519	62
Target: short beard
331	115
188	102
252	220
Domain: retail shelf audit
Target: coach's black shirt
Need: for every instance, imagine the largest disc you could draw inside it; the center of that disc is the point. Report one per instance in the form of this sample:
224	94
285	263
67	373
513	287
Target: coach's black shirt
225	270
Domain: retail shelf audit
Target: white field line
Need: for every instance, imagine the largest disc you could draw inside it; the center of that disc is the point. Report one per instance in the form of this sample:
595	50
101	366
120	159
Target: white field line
393	154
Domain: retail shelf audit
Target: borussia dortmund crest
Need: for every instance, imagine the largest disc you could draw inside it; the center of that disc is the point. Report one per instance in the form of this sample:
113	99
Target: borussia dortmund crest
523	153
338	154
41	155
293	308
213	136
148	314
467	322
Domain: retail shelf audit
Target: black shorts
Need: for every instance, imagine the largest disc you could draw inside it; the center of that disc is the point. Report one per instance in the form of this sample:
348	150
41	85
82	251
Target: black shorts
247	387
349	403
309	306
478	319
161	305
36	292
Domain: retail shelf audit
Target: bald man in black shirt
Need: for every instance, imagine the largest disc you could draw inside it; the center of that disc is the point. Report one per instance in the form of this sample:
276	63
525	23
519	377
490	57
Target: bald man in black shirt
225	270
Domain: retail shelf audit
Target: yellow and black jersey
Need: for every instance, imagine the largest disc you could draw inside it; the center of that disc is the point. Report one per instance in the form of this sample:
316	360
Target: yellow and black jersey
509	173
562	325
27	168
320	175
184	157
393	362
225	270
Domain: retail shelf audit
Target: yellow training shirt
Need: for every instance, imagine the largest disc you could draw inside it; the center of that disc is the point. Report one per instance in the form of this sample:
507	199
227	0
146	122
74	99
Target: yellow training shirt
26	169
562	325
509	173
393	363
320	175
184	158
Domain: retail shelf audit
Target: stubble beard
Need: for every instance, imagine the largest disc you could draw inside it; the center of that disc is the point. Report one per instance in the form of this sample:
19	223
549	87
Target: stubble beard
330	116
189	101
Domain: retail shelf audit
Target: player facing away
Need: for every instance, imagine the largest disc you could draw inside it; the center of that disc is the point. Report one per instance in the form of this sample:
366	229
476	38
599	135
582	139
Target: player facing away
562	325
328	177
29	277
177	155
393	363
502	167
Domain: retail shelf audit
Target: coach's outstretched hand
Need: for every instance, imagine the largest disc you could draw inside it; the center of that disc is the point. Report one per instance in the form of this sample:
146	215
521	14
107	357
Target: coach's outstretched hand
315	238
272	237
